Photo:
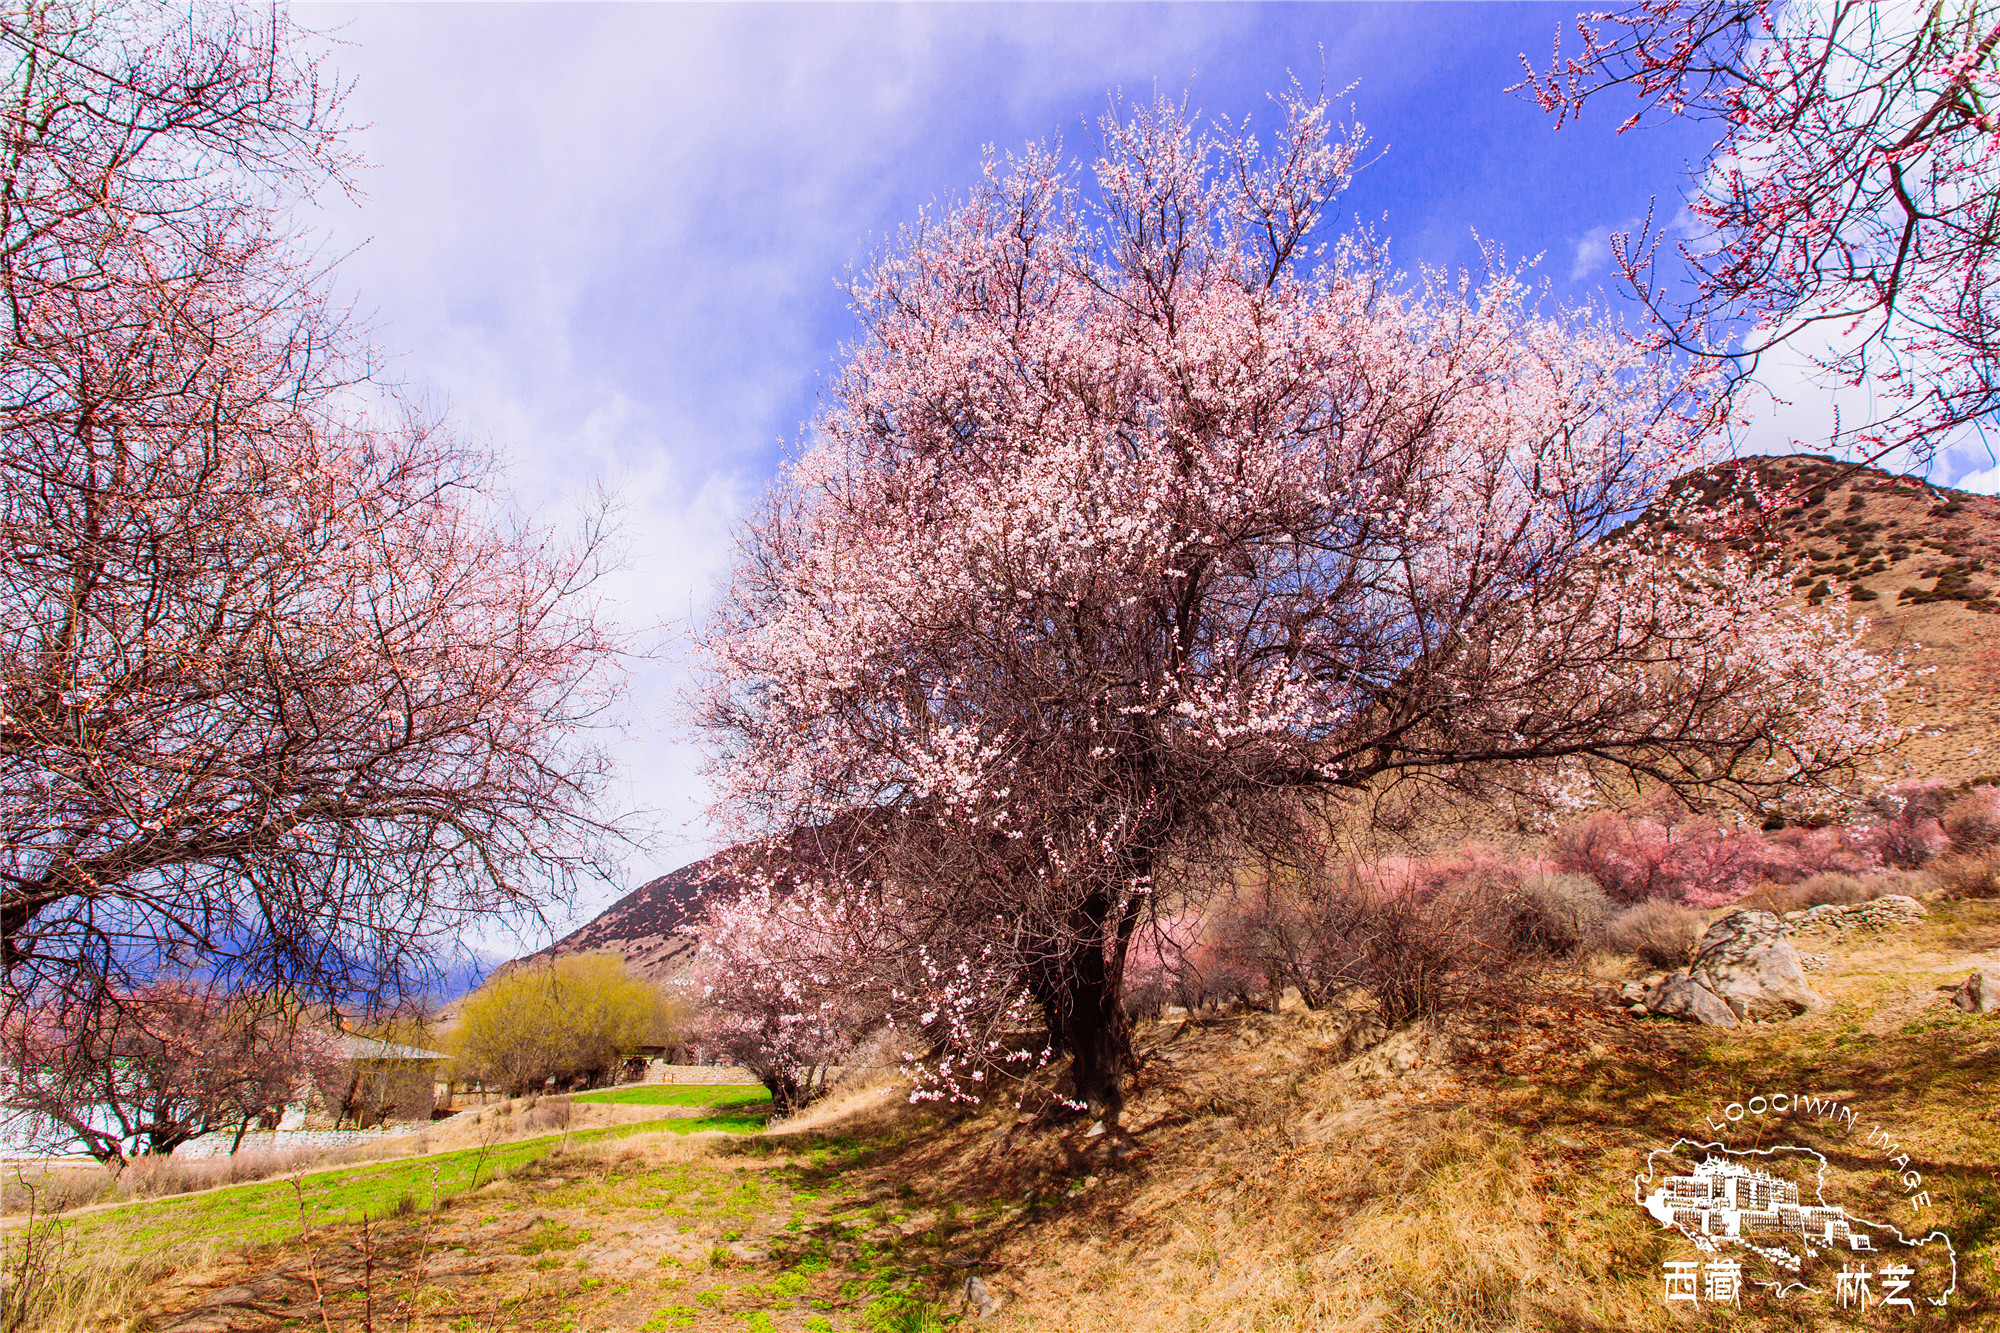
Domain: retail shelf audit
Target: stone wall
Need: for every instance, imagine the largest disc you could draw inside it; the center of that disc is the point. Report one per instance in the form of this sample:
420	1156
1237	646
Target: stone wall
698	1075
258	1143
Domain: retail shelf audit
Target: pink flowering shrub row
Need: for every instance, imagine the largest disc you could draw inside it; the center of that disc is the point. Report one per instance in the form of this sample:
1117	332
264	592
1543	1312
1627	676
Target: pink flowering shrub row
1660	851
1414	934
794	978
1591	888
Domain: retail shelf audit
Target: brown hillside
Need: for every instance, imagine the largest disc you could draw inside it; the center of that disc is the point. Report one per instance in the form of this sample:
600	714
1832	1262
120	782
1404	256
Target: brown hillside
1923	565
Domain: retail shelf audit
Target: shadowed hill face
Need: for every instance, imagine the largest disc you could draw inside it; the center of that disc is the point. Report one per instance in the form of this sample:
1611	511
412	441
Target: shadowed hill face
644	926
1921	562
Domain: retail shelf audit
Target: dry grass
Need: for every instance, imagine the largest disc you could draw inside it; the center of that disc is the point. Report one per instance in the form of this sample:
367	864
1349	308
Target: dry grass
1657	932
1972	822
51	1284
87	1294
69	1186
66	1187
1969	874
1830	888
1280	1183
856	1103
1283	1173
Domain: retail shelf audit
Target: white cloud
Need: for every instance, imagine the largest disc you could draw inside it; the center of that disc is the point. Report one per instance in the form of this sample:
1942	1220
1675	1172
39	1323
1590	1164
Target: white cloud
608	238
1593	258
1792	405
1985	481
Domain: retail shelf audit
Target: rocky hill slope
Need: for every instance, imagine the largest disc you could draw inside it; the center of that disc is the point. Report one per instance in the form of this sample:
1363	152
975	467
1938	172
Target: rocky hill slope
643	927
1922	564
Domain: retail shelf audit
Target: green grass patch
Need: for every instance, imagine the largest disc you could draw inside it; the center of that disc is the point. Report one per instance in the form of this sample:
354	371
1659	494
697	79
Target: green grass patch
552	1236
668	1094
267	1211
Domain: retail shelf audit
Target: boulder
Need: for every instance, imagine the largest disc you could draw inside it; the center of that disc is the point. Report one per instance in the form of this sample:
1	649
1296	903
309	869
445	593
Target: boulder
1884	913
1680	996
1747	961
981	1298
1978	993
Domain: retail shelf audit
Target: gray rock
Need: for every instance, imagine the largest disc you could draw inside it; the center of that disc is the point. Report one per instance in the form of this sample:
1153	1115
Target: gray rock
1748	963
1895	909
1979	993
1631	992
980	1298
1683	997
1883	913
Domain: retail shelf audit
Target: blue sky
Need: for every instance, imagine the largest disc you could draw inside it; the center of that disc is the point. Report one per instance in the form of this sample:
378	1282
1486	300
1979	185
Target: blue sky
608	238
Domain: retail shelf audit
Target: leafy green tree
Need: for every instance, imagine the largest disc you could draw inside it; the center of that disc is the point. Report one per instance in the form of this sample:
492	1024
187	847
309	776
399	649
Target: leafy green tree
572	1020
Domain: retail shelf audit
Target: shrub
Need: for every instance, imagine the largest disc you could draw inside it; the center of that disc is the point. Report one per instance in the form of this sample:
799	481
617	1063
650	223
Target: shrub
1801	851
1925	799
573	1019
1289	930
1196	960
1970	874
1830	887
547	1114
1972	822
1547	916
1408	935
1658	933
1415	947
1907	843
1663	852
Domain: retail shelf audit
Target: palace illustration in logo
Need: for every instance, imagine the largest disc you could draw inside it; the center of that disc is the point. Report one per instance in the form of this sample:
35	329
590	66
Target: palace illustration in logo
1725	1200
1766	1230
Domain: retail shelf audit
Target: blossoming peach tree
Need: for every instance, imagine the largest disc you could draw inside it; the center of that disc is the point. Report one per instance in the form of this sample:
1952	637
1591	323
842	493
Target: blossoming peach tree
1137	522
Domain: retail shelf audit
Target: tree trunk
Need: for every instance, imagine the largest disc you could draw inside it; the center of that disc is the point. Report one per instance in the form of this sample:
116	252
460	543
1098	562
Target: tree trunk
1082	998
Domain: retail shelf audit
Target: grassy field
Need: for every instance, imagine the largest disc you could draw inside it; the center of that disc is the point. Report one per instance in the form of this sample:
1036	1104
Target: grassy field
641	1229
255	1214
665	1094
